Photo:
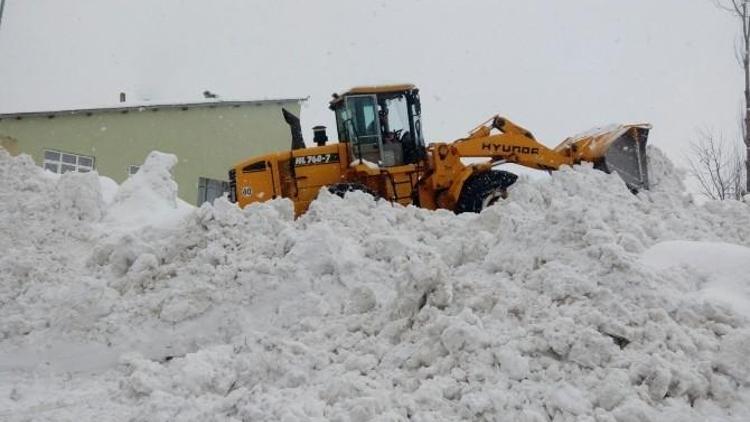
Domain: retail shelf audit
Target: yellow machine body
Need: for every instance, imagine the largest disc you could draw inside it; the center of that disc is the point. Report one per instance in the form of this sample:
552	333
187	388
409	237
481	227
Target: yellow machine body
430	176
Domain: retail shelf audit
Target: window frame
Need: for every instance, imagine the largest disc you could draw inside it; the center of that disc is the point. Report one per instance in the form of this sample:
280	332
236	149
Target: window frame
363	135
56	165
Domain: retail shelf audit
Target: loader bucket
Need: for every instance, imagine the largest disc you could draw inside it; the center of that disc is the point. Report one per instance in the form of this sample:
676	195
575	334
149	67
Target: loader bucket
620	149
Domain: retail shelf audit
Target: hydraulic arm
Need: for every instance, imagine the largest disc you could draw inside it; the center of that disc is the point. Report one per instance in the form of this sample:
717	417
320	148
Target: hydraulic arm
618	148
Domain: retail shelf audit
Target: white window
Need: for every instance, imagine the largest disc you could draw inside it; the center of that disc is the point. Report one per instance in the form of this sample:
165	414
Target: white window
133	169
63	162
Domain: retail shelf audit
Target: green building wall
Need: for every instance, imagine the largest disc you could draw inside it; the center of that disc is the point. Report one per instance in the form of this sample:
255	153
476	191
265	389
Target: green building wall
207	139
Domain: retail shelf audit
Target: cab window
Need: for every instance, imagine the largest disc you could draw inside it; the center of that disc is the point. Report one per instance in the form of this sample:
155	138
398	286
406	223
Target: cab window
397	116
342	116
364	118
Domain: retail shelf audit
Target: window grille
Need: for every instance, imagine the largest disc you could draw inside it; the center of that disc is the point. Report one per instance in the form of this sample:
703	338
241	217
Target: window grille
62	162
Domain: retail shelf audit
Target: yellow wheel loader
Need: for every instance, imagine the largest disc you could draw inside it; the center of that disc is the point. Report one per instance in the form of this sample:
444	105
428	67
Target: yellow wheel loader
381	150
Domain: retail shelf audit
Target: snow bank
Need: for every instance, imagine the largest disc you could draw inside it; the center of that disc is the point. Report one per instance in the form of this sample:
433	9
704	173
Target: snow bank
721	270
147	198
561	303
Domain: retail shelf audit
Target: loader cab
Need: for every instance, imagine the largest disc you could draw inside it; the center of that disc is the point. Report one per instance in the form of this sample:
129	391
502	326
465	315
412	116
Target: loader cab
381	124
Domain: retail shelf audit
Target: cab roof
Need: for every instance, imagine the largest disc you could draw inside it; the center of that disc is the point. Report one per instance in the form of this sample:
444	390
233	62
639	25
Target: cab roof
373	89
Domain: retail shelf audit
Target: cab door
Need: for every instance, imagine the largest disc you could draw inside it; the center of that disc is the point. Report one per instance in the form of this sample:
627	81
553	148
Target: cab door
364	124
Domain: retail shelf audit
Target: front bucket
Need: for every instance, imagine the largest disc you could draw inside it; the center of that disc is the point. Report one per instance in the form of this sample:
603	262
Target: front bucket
626	156
617	148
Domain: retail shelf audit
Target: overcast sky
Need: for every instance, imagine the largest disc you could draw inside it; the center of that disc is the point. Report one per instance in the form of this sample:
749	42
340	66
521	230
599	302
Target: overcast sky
555	67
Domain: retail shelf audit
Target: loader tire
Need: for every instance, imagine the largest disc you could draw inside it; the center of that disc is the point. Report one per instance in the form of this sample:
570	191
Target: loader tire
340	189
484	189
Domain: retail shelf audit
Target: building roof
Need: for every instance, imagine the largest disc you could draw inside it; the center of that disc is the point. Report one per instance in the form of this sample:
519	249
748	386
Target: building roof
144	107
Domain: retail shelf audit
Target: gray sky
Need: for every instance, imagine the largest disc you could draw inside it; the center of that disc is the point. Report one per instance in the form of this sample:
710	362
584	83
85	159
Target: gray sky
555	67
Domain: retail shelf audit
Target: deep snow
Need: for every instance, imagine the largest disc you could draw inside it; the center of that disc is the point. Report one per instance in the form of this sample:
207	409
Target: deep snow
571	300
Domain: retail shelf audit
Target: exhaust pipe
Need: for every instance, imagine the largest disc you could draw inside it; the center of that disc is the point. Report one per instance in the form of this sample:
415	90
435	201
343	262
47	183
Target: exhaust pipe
296	129
320	137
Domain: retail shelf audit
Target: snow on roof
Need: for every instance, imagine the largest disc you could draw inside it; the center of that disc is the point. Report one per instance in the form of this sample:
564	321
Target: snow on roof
152	107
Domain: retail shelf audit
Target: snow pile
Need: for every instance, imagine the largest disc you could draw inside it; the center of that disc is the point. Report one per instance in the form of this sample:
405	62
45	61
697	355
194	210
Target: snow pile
50	226
721	270
147	198
564	302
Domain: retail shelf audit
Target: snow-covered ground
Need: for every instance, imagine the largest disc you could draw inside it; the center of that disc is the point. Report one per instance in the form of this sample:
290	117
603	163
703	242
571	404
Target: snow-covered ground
571	300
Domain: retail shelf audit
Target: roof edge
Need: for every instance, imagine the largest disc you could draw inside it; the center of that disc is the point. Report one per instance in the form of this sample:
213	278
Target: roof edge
143	107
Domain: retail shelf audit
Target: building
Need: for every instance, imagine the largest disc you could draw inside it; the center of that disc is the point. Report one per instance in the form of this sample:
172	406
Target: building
208	138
